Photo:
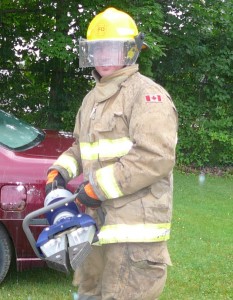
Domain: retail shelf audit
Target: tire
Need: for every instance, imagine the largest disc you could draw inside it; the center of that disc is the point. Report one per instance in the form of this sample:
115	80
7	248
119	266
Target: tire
5	252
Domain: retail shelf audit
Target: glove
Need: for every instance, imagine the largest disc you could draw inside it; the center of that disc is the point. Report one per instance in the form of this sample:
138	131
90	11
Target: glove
87	196
54	181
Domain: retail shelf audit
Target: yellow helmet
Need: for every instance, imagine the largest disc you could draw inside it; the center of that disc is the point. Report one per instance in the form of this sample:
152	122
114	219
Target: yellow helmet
115	31
112	24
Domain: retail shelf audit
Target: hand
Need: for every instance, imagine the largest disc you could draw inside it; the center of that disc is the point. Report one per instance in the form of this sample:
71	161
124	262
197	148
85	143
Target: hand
87	196
54	181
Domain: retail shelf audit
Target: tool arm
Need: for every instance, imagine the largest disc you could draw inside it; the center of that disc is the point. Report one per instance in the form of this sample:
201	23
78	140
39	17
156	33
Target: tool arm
27	220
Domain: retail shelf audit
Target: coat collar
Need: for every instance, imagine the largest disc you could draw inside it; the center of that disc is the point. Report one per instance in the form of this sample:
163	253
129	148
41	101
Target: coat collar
108	86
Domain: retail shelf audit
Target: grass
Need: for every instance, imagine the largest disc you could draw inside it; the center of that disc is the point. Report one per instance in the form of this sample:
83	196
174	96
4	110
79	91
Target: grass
201	244
201	249
37	284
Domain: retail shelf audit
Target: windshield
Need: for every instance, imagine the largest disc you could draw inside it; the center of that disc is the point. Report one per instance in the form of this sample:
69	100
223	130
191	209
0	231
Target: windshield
16	134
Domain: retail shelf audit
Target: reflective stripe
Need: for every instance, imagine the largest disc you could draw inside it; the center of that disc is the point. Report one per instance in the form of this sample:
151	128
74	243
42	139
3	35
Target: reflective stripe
124	233
107	182
89	151
105	148
69	163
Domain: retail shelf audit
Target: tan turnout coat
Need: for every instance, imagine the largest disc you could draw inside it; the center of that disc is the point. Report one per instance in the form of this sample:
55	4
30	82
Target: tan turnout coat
126	134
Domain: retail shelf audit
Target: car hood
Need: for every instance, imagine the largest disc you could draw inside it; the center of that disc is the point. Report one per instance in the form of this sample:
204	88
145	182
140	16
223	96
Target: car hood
53	144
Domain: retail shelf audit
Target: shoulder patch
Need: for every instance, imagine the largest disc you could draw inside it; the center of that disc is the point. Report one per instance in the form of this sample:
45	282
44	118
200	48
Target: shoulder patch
153	98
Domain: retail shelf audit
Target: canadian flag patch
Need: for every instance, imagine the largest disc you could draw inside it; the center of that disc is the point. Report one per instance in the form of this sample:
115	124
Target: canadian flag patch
153	98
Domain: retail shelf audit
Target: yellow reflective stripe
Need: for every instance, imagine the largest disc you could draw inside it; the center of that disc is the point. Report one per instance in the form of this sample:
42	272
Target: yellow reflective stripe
89	151
115	148
69	163
124	233
107	182
105	148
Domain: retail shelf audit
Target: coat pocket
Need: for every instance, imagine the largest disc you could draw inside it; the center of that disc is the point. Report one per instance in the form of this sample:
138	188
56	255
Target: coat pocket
112	126
157	209
146	255
162	187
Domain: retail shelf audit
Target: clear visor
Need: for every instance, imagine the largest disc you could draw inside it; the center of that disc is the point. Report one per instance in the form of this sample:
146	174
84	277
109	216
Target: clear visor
107	53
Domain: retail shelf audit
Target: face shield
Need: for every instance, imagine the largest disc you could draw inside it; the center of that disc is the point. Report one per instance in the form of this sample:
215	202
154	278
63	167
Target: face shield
107	53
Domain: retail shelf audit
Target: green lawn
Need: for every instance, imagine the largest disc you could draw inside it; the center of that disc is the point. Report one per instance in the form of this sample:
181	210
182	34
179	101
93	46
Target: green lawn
201	244
201	249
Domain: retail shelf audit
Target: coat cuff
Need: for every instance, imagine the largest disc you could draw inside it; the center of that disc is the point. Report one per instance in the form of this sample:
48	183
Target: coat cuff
97	191
62	171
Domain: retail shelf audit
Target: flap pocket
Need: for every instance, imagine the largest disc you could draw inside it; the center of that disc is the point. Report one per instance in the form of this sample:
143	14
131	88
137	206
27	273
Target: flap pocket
149	253
161	187
105	125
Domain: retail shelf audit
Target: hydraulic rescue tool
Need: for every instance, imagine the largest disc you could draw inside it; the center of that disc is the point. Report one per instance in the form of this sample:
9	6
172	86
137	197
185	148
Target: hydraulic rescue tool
67	240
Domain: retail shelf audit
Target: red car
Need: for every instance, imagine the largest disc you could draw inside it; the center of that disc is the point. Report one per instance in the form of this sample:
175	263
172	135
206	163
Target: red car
25	155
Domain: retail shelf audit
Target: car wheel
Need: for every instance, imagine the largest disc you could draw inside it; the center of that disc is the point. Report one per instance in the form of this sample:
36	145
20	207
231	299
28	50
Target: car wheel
5	252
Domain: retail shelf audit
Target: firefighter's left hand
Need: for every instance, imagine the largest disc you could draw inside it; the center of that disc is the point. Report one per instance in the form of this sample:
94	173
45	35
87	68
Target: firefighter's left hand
87	196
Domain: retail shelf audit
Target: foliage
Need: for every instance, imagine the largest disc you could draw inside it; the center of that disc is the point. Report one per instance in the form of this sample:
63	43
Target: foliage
39	56
190	54
41	75
198	71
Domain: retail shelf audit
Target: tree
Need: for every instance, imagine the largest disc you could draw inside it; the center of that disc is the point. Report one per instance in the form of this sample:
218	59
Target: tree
42	54
198	70
39	41
190	54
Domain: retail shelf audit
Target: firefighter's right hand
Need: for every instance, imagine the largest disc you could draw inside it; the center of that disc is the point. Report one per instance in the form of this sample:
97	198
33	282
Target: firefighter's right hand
54	181
87	196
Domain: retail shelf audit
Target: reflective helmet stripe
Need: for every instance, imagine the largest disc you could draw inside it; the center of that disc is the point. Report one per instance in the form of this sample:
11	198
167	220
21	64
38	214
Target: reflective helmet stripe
124	233
107	182
69	163
105	148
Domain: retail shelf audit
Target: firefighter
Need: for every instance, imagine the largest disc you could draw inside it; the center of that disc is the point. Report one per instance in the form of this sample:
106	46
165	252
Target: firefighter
125	139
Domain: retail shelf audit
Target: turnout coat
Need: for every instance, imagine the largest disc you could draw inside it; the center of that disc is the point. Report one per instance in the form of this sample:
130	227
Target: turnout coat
125	140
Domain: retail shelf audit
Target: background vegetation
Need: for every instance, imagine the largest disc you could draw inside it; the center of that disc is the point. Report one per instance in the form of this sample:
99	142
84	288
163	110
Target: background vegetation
191	55
200	246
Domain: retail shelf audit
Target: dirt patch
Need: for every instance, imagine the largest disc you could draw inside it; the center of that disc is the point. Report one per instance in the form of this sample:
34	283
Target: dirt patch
215	171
